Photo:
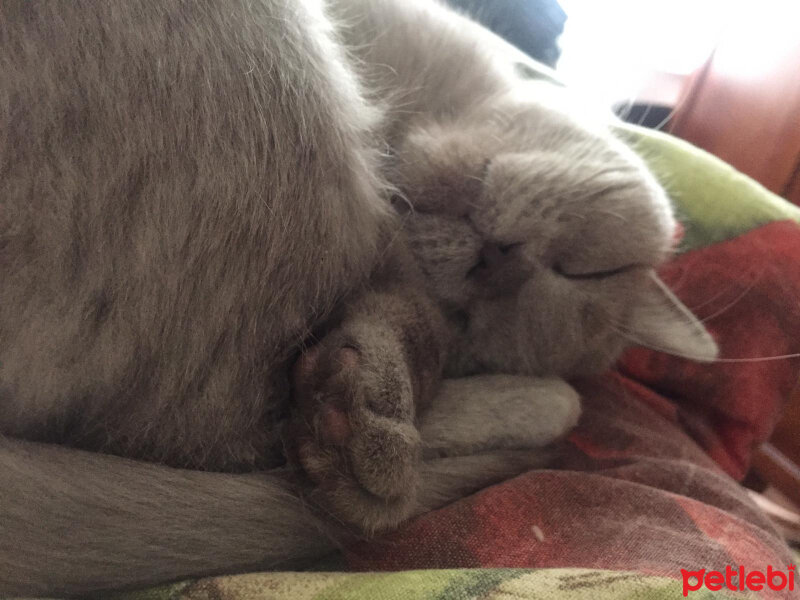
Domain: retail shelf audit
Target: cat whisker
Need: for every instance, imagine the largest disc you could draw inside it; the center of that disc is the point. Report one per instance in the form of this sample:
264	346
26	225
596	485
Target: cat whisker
694	308
645	112
731	304
611	213
677	284
475	178
624	108
396	193
631	336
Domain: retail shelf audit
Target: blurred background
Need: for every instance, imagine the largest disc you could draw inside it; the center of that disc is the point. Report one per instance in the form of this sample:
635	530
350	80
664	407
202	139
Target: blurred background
722	74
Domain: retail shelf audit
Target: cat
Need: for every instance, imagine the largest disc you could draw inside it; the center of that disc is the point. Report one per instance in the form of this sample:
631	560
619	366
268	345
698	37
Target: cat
533	231
193	194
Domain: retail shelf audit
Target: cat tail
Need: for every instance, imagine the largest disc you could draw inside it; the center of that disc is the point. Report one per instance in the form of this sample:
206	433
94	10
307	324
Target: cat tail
74	522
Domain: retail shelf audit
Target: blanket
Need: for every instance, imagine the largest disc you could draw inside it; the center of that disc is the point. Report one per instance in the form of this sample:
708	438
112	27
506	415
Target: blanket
643	502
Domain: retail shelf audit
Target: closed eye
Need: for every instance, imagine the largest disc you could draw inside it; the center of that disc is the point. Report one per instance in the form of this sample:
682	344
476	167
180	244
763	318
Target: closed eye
595	274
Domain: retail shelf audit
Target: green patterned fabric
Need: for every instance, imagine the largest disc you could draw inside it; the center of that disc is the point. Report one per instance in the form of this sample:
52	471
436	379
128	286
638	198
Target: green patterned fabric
452	584
714	201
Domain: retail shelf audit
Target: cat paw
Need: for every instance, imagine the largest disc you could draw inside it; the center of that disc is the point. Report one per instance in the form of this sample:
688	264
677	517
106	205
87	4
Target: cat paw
561	415
495	412
352	430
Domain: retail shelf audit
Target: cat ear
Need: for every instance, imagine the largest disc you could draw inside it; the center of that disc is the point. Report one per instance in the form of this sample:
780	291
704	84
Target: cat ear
665	324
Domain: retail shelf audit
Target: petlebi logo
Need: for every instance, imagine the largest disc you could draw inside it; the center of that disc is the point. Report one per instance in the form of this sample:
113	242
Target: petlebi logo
739	580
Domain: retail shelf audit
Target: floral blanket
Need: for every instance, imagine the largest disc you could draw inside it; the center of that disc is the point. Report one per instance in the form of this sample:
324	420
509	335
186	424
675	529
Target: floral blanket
644	503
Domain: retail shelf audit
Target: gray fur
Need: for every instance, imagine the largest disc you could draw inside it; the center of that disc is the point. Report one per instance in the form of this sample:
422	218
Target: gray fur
153	226
193	193
89	522
535	233
525	412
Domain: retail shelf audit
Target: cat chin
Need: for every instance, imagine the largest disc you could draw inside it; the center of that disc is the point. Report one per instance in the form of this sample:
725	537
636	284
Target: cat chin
500	338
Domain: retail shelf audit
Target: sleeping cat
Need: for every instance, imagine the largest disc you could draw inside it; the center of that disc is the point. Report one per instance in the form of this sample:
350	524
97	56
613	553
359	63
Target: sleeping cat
193	193
533	231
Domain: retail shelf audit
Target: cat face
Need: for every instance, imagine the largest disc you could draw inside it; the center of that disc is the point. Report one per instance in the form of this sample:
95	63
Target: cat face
539	237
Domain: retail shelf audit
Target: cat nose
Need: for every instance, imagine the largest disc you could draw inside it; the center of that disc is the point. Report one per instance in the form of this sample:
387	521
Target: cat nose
495	255
504	270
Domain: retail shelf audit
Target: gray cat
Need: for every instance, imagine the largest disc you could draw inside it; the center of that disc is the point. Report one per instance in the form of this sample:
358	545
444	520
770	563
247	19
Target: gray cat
194	193
533	231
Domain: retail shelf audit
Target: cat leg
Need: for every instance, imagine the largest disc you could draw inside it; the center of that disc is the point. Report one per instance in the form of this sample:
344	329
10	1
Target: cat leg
489	412
448	479
356	398
75	522
485	429
113	522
